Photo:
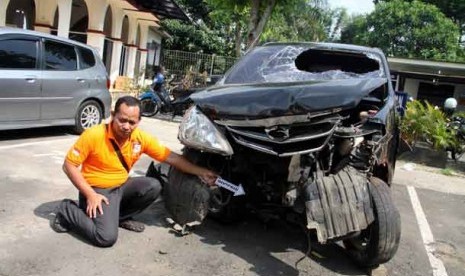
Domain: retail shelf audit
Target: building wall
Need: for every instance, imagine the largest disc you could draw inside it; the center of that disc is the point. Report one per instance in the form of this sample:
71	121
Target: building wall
112	27
411	87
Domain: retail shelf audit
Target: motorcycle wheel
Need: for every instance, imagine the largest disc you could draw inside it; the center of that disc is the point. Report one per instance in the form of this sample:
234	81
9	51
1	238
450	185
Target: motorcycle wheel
378	243
149	108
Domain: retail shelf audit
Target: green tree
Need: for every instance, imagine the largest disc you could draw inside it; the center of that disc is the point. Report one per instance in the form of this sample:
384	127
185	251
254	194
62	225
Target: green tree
406	29
259	13
237	25
206	33
193	38
231	18
305	21
454	9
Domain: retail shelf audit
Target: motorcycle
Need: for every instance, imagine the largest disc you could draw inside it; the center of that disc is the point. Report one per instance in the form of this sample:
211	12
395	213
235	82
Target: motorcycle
457	126
306	132
158	99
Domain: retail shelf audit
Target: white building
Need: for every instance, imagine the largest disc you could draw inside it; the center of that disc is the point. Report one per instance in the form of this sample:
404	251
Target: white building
433	81
126	32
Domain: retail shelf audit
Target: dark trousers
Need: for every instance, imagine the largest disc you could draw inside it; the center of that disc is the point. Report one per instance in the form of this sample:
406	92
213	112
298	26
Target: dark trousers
124	202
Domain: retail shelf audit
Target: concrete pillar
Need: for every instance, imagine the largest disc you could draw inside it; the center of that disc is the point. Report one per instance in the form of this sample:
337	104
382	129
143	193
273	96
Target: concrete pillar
117	21
97	11
115	59
96	39
42	28
3	7
64	19
132	51
144	33
142	63
45	14
132	32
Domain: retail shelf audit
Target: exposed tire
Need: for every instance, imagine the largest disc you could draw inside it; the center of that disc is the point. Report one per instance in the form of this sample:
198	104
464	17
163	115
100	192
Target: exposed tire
186	199
379	242
149	108
88	115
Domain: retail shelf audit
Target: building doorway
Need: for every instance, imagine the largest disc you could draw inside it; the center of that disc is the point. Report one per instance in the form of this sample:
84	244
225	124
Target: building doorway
435	94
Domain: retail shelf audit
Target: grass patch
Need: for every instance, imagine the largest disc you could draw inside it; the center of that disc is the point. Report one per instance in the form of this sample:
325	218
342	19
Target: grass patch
448	172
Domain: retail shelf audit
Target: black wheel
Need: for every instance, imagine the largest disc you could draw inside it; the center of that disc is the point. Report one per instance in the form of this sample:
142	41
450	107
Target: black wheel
378	243
149	108
89	114
186	198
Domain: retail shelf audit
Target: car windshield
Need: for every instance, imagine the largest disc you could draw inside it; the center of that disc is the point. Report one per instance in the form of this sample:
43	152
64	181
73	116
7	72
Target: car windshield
296	63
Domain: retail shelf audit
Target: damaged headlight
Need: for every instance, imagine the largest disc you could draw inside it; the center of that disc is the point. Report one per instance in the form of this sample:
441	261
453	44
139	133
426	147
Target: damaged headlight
197	131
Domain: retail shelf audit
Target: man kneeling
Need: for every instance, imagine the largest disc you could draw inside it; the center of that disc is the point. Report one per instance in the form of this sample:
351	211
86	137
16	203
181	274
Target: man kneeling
108	198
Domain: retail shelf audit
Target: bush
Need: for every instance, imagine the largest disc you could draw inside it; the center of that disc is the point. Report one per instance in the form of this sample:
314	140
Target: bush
426	123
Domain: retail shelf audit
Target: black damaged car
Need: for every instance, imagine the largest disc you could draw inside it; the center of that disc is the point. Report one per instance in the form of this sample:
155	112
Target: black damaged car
305	128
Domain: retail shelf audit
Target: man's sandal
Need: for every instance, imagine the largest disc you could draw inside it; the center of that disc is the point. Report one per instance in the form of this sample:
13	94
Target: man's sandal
132	225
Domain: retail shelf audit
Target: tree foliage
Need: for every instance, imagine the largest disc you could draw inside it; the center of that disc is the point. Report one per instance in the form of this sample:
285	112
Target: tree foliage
232	27
205	34
305	21
406	29
193	38
454	9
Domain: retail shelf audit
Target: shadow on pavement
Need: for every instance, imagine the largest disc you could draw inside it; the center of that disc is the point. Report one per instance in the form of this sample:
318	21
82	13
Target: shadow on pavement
34	133
276	248
272	248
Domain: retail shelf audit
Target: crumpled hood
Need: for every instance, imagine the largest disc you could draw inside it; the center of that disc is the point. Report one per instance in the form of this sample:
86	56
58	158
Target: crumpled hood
283	99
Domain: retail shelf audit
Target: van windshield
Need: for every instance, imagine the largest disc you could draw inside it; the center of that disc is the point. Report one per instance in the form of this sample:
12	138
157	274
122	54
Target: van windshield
296	63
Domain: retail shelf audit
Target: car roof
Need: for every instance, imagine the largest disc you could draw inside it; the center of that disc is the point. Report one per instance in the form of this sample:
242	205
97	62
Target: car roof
329	46
9	30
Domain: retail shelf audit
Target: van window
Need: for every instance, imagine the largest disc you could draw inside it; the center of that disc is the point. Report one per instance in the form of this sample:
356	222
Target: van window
87	58
59	56
18	54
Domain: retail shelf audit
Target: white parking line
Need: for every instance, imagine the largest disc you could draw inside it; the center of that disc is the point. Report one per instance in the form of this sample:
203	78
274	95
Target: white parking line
35	143
426	234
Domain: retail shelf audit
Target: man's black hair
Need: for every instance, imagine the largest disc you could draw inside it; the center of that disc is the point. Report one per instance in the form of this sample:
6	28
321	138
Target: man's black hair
129	101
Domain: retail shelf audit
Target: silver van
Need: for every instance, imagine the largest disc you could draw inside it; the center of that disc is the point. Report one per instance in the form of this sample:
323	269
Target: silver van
46	80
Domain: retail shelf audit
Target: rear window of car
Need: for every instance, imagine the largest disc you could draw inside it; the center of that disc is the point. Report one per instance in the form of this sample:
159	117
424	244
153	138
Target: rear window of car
18	54
87	58
295	63
60	56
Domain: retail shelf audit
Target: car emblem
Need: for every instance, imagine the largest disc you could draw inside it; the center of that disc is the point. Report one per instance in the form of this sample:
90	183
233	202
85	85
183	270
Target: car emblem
279	133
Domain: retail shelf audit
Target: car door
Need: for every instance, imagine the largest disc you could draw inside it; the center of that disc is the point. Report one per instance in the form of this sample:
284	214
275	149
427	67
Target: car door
20	79
63	85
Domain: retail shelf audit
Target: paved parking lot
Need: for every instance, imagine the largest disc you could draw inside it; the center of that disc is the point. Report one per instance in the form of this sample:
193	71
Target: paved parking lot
32	183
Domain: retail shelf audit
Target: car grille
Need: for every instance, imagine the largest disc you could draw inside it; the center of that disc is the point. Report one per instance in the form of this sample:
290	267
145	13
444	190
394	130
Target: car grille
286	140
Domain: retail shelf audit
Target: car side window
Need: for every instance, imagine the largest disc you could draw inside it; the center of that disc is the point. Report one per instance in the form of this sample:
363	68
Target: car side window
18	54
87	58
59	56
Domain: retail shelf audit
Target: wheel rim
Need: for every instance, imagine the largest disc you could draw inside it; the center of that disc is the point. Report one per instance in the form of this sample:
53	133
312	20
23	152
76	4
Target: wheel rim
90	116
148	106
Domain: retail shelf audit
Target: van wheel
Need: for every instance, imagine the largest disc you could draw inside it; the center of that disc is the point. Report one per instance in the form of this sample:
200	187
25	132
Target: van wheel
89	114
378	243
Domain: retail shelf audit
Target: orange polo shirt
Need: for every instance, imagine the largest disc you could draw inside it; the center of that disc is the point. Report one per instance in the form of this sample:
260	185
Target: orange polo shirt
101	166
